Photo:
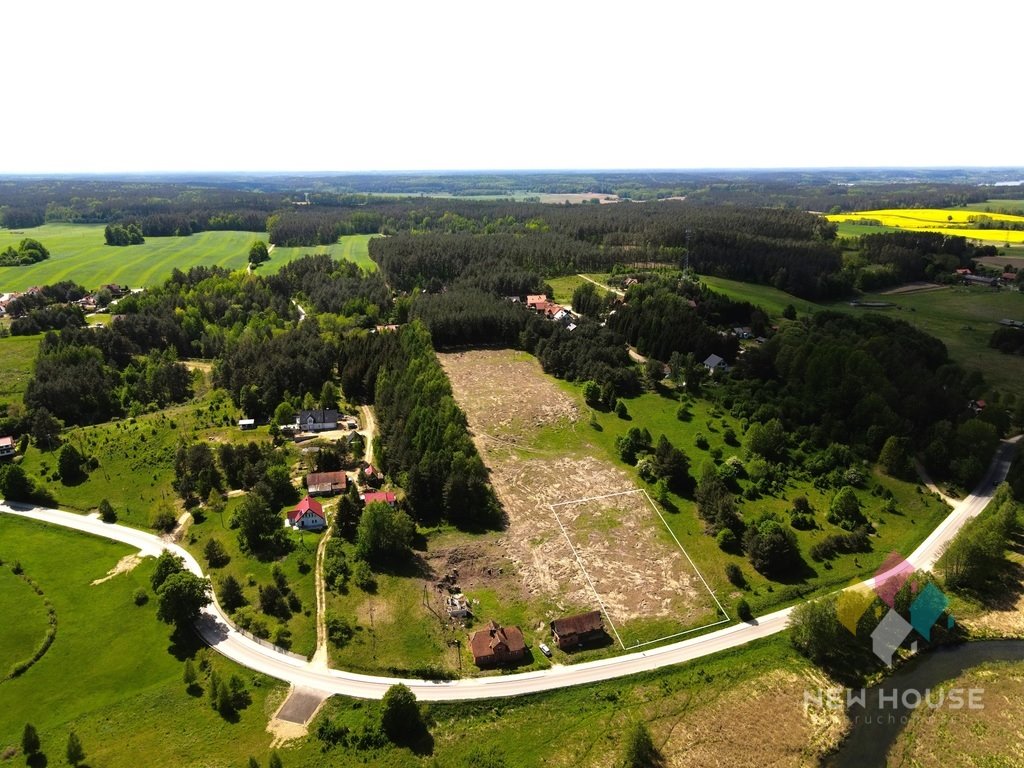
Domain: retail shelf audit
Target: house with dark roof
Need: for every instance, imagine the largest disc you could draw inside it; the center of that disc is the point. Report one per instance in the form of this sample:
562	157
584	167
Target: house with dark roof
495	644
308	515
573	631
318	420
326	483
715	363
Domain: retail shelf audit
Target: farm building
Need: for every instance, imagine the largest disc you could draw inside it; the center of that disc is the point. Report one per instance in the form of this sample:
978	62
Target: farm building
308	515
6	447
247	424
574	631
495	644
318	420
326	483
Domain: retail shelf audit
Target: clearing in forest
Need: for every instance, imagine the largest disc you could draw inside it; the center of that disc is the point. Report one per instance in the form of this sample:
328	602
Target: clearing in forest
580	533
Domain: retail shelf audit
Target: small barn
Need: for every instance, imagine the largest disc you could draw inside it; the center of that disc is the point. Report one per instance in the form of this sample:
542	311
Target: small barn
326	483
573	631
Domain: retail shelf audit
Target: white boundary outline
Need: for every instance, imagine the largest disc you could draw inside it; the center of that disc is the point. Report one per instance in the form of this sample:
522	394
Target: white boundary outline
586	575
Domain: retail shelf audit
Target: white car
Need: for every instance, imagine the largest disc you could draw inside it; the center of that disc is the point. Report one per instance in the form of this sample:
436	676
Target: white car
545	650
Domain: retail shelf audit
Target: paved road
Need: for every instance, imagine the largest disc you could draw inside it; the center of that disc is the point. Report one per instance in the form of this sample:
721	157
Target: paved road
214	629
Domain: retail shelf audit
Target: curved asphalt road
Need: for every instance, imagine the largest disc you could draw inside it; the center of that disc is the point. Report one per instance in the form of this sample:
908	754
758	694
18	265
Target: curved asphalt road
218	633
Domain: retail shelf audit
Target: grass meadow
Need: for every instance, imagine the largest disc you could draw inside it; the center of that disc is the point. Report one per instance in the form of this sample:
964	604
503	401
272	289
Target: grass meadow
917	513
963	318
78	253
350	247
19	356
113	673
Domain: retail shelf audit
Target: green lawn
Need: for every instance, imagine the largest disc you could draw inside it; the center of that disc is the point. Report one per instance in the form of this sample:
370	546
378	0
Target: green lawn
964	319
19	356
78	253
113	673
25	625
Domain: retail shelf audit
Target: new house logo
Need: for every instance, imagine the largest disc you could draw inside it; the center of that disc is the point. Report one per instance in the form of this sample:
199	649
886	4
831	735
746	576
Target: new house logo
928	605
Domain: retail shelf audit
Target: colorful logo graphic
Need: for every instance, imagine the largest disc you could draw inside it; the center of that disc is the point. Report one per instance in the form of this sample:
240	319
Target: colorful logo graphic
928	605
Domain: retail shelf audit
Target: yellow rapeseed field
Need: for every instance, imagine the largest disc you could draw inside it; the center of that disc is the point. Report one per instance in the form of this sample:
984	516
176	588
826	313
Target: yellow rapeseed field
956	222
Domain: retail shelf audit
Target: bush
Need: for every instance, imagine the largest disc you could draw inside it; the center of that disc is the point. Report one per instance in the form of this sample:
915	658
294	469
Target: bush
856	540
107	513
735	575
141	597
363	577
727	540
743	611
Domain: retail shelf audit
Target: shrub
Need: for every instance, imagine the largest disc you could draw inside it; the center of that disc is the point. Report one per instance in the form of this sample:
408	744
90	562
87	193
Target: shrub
735	575
727	541
743	610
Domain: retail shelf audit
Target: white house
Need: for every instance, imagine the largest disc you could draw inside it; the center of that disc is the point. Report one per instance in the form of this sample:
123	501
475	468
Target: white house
308	515
715	363
318	420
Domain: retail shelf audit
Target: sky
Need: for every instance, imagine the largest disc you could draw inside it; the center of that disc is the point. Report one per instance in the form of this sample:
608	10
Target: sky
221	85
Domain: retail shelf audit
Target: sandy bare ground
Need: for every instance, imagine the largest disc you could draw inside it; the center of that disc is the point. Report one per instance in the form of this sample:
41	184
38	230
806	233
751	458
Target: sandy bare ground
124	565
761	724
616	547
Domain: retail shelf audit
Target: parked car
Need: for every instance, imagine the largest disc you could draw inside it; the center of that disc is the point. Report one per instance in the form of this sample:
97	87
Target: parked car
545	650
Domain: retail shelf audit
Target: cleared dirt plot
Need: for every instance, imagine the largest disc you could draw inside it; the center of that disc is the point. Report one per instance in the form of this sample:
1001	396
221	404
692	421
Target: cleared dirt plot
613	554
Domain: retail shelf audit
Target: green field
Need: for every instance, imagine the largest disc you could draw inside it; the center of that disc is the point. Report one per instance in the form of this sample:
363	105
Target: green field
850	229
25	625
78	253
964	319
351	247
771	300
113	673
19	356
562	287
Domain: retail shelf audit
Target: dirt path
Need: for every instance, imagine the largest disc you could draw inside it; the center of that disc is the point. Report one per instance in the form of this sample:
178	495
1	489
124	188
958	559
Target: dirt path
931	486
320	655
616	291
370	428
636	356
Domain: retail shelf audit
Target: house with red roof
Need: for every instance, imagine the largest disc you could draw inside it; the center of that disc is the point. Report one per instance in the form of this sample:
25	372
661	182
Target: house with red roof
495	644
308	515
386	496
6	447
